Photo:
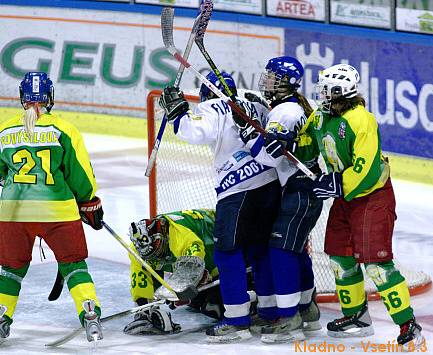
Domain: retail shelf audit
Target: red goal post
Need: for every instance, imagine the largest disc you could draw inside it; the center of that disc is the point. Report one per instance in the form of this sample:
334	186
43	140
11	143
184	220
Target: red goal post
182	179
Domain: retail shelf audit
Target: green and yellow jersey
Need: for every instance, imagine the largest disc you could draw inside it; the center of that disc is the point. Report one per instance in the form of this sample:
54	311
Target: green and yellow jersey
46	174
190	233
349	144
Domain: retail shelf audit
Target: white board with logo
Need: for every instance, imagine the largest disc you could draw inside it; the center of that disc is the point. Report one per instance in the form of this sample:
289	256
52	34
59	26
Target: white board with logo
247	6
360	14
414	20
302	9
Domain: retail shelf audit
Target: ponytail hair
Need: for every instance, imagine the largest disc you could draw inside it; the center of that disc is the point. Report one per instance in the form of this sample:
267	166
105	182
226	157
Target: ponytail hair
303	102
31	115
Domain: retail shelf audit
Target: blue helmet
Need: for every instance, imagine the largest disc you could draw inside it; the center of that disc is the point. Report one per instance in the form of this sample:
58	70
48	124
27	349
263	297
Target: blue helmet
37	87
282	78
206	93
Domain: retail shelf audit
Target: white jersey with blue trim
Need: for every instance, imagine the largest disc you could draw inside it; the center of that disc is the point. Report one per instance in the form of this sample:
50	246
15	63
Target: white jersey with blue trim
289	116
212	124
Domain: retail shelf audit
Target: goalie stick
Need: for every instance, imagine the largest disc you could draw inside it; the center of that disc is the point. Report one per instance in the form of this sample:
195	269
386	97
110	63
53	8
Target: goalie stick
200	24
77	331
187	294
167	36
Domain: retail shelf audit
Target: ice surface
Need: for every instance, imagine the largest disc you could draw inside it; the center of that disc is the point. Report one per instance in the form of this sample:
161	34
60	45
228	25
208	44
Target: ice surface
119	165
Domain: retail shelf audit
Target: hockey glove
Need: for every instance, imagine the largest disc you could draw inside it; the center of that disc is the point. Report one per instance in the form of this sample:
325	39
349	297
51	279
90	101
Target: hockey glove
173	103
237	119
152	321
91	213
273	147
328	185
287	138
246	131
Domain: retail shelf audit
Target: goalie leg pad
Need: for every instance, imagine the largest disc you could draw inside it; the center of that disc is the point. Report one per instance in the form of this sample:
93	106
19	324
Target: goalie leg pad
152	322
163	322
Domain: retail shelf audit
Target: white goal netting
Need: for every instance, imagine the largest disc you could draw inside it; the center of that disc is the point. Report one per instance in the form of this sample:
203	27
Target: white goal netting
183	178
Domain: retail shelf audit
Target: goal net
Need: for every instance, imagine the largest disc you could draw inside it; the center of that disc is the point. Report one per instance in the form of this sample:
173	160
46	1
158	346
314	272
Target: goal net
183	178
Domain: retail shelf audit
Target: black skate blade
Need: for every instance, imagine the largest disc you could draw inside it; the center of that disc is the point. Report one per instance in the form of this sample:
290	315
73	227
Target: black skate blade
188	294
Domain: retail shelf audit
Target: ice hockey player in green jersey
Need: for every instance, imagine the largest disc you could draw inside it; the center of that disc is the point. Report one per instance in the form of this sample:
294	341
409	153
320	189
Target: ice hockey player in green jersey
361	220
180	243
48	184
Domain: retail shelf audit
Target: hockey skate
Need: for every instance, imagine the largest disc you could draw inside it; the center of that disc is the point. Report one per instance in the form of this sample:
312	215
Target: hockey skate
4	324
283	330
91	322
410	337
310	317
257	323
356	325
226	333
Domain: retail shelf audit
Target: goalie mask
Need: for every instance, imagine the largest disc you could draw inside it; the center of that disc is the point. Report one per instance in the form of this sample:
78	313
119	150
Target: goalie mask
281	78
150	237
37	87
207	94
338	81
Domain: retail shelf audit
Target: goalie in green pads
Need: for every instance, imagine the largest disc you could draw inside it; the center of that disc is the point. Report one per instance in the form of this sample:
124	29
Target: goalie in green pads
180	243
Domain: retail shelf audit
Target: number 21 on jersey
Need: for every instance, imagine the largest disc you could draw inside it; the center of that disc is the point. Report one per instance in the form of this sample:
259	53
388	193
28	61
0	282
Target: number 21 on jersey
28	161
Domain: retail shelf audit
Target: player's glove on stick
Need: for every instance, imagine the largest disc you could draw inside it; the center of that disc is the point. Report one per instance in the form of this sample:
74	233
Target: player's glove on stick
152	321
287	138
91	213
328	185
173	102
246	131
275	142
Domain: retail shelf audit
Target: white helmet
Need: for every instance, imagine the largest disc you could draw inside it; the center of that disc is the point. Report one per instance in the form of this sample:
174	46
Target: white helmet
340	80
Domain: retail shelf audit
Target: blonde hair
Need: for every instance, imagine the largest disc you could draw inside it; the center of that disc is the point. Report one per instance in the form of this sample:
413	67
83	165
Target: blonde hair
31	115
303	102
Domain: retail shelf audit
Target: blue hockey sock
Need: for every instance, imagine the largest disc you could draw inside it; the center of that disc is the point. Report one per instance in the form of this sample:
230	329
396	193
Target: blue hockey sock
233	285
307	280
258	255
287	280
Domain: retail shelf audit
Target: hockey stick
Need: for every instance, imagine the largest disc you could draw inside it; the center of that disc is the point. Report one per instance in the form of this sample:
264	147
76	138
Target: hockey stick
68	337
167	36
200	44
216	282
77	331
200	24
57	287
187	294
